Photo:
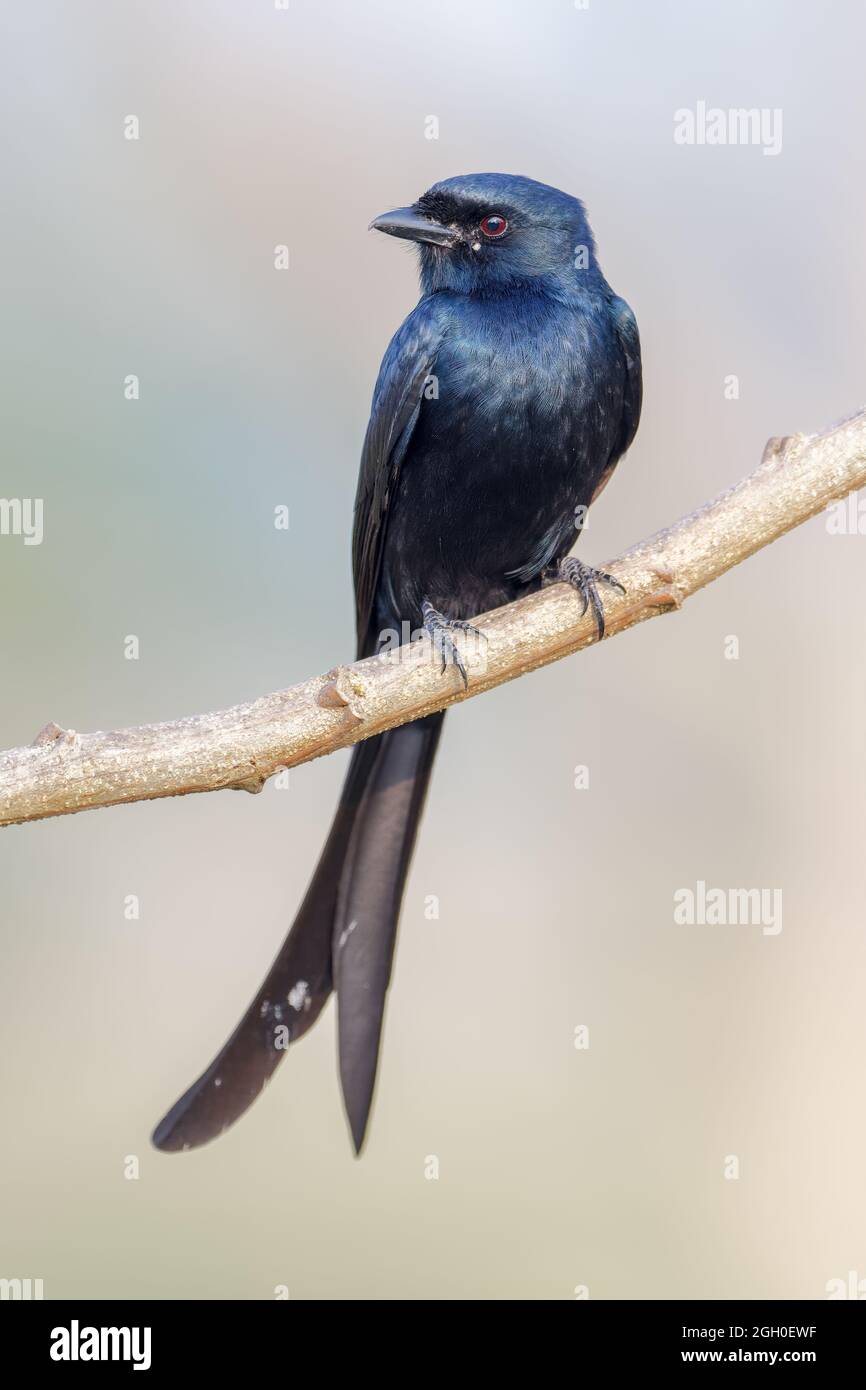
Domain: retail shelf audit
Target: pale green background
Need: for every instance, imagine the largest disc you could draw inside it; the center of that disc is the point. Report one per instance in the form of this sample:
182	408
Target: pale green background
557	1167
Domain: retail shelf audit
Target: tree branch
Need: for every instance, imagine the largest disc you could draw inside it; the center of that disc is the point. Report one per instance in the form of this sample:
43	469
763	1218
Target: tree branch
241	747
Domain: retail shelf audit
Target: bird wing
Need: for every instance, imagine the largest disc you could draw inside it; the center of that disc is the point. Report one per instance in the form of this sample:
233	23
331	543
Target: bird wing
397	399
625	326
560	537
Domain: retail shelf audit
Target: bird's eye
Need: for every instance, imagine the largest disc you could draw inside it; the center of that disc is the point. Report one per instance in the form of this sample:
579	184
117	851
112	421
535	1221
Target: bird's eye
493	226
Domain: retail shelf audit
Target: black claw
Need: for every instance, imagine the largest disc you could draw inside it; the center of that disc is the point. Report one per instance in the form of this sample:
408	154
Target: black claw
458	662
609	579
599	615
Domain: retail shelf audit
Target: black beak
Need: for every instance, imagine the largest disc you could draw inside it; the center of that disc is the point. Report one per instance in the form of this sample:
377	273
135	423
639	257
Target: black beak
414	226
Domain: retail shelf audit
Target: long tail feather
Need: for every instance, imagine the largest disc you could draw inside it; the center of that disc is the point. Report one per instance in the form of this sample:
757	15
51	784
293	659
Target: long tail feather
368	904
288	1002
361	872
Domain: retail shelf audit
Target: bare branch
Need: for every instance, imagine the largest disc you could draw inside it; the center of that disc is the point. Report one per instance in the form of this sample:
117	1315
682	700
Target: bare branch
241	747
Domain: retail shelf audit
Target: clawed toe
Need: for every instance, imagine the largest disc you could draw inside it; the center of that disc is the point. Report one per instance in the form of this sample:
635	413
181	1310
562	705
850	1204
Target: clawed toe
585	580
467	627
439	629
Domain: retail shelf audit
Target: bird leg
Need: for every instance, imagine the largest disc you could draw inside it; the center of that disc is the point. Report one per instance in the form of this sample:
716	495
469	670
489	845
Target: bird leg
439	629
585	580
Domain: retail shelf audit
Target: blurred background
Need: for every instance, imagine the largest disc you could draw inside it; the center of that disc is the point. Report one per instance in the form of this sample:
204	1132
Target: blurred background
560	1168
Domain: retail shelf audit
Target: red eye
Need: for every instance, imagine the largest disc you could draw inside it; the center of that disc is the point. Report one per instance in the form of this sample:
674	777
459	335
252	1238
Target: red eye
493	226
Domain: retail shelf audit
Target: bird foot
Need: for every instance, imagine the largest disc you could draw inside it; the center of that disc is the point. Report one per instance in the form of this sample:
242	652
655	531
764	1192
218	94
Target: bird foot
586	580
439	629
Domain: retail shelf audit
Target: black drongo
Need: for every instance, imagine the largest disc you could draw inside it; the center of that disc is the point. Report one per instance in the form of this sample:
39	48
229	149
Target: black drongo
470	494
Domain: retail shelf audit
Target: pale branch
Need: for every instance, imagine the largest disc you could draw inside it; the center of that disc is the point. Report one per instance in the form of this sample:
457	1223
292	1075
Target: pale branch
241	747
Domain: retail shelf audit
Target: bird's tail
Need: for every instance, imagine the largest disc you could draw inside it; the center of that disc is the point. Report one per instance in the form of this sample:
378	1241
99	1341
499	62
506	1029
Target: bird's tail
342	938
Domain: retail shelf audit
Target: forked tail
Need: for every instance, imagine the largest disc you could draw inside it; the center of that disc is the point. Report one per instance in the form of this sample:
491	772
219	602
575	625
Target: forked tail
342	938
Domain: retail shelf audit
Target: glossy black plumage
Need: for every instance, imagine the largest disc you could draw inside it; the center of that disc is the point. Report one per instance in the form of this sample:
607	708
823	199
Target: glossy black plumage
502	405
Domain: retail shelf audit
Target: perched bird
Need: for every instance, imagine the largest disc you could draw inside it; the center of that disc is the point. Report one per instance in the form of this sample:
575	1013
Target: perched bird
502	405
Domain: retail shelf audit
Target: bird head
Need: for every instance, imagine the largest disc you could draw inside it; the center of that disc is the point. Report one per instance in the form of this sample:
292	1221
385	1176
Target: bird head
483	233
